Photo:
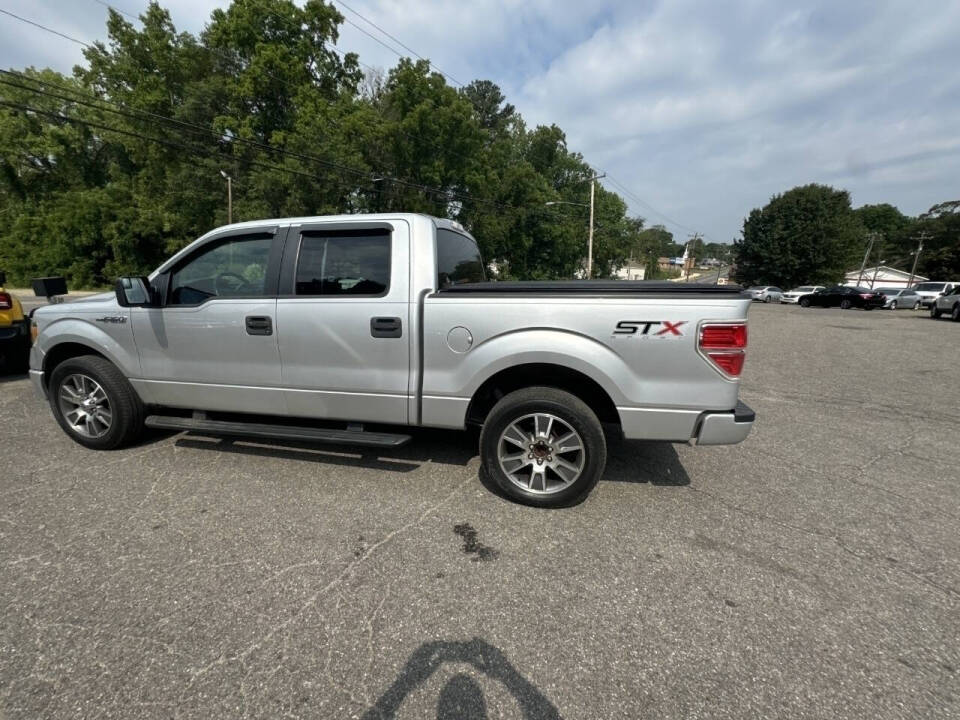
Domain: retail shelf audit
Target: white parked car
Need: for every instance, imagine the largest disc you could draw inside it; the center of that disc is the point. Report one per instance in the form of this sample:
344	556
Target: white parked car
792	296
930	291
765	293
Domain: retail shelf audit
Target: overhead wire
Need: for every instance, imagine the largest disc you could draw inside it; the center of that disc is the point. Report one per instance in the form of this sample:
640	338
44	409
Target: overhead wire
380	175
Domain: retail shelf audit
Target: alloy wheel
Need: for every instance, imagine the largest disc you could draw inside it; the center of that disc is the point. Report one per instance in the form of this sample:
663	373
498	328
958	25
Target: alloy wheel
85	406
541	453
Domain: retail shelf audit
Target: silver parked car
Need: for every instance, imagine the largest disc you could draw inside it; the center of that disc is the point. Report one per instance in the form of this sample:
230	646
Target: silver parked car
765	293
792	296
901	298
948	304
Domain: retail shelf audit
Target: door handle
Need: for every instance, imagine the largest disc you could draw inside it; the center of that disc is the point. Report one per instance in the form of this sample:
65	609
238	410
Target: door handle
259	325
386	327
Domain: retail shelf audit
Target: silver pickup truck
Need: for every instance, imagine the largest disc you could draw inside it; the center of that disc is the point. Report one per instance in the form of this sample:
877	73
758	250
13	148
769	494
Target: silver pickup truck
387	320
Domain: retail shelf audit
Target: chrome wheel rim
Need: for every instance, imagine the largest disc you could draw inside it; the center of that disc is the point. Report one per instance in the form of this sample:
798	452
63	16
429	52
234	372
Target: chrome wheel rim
541	453
85	406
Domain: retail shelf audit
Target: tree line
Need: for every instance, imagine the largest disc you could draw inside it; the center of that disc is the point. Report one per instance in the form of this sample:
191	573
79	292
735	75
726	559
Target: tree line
812	235
109	170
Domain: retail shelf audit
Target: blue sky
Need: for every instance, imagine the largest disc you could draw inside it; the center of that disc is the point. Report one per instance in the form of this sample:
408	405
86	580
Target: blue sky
703	110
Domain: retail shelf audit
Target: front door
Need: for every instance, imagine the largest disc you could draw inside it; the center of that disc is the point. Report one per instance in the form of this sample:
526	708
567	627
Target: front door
213	343
344	323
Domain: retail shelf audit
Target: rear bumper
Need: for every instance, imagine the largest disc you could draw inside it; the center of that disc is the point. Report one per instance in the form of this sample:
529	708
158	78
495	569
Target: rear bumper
726	428
693	426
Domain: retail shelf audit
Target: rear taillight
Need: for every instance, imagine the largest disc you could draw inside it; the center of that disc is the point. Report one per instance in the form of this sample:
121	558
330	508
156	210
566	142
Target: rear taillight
724	345
6	301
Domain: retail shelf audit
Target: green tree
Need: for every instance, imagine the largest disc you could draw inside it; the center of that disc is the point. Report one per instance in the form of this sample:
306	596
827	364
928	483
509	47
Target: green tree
809	234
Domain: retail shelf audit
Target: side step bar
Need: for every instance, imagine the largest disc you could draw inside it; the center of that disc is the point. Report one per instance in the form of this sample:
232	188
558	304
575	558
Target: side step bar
280	432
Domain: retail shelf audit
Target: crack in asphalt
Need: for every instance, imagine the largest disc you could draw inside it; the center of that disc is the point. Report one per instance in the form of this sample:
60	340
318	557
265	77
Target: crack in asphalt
312	600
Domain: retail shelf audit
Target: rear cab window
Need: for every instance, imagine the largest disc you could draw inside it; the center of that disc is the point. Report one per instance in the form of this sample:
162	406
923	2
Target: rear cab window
458	259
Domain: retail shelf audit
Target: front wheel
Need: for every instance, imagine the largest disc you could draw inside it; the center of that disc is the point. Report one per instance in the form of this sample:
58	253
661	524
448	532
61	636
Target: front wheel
94	404
804	302
543	447
893	305
955	313
846	305
934	311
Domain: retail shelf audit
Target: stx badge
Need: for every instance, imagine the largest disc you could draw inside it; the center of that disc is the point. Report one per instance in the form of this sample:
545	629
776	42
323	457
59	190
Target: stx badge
642	327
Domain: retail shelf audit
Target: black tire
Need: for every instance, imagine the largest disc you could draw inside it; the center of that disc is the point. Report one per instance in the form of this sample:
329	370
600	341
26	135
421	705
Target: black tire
126	408
955	313
934	312
766	299
845	304
804	302
893	305
916	305
570	410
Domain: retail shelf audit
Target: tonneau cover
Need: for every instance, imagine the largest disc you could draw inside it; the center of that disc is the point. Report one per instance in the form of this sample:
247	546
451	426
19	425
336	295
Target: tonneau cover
591	287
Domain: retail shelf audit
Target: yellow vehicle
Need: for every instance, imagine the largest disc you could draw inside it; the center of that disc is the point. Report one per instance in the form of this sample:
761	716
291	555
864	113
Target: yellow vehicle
14	331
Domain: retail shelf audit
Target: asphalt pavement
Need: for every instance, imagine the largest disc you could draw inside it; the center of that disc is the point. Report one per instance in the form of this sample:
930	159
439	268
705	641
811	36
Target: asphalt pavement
811	572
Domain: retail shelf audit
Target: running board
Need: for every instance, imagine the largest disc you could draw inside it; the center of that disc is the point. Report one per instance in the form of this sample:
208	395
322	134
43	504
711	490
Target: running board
278	432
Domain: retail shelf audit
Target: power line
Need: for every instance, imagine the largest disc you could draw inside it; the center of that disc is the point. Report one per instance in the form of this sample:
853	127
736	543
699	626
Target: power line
626	191
44	27
395	39
275	14
359	174
384	176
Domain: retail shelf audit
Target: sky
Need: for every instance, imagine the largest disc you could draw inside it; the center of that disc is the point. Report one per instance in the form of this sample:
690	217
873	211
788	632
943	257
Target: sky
700	110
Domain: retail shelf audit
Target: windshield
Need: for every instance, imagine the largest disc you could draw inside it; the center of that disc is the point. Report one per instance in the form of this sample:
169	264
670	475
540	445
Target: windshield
888	291
930	287
804	289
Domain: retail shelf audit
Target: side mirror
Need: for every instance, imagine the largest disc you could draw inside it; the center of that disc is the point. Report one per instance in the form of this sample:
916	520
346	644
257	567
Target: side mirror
134	292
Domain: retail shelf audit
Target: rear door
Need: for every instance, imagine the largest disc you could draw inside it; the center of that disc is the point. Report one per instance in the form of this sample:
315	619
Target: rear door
213	344
344	321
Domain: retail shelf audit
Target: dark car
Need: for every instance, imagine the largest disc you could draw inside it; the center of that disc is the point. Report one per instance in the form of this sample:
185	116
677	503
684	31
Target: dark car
845	297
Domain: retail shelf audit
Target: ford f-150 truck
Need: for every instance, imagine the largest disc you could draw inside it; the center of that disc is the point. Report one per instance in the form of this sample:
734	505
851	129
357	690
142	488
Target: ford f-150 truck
389	320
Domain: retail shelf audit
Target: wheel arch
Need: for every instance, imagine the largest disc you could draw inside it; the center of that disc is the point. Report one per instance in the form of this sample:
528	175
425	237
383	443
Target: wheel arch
543	374
65	351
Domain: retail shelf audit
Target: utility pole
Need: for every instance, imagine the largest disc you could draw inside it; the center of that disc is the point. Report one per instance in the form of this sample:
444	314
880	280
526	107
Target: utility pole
692	241
229	197
593	183
913	271
873	283
863	265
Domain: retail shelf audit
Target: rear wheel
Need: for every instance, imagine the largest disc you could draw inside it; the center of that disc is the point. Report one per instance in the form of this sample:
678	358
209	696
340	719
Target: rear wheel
543	447
845	304
94	404
916	305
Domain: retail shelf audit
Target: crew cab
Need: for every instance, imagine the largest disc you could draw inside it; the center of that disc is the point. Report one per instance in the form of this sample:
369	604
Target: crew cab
350	321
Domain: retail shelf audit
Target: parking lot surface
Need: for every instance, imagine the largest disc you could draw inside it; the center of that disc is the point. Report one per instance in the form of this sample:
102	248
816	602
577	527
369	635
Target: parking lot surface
811	572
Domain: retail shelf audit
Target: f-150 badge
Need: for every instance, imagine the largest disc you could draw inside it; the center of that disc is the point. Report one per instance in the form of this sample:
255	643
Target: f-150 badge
643	327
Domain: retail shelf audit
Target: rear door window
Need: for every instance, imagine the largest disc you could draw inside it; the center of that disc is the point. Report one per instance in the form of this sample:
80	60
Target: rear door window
353	264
